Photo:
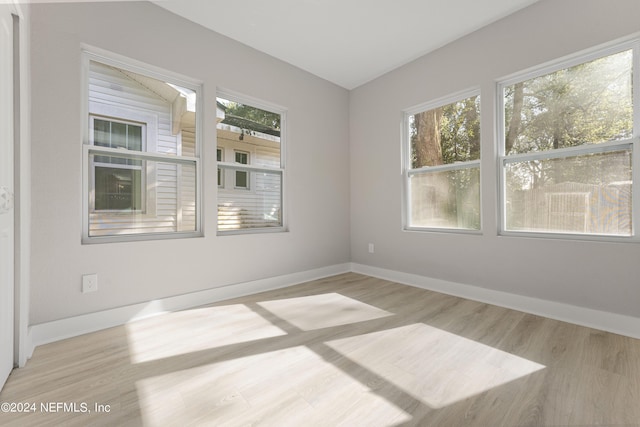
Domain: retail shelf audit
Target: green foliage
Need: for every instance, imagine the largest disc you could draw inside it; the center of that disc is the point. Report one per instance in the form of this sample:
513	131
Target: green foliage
585	104
458	136
460	131
252	118
589	103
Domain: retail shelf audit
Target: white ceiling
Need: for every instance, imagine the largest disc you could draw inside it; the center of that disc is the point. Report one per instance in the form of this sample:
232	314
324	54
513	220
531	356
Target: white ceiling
348	42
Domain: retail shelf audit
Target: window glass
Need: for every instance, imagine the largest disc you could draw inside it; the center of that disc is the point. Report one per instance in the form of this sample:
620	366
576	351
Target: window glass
141	143
563	179
118	189
219	159
444	175
588	103
250	198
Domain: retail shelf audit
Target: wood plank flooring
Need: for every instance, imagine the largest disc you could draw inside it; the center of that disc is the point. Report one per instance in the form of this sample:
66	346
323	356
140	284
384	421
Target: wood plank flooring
350	350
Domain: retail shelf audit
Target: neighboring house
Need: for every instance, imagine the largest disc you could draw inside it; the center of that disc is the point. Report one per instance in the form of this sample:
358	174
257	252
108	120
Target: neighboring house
248	198
132	112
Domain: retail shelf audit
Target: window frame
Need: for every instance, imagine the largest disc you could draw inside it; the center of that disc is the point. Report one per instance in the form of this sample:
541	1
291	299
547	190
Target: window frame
234	96
408	171
632	143
91	53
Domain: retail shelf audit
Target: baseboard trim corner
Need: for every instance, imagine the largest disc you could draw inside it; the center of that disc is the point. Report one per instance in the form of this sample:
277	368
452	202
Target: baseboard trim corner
57	330
601	320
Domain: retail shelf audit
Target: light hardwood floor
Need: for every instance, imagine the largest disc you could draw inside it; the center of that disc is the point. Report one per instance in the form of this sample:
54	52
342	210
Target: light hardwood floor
349	350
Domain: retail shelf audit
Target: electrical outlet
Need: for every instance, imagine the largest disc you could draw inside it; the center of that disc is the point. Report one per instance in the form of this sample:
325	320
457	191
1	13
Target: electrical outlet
371	248
89	283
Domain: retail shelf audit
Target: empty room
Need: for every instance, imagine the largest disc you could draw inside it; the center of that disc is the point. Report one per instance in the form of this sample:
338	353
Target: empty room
320	213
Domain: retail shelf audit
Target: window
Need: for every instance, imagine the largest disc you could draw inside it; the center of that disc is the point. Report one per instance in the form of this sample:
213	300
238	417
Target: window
140	153
117	182
219	158
442	158
250	195
567	146
242	177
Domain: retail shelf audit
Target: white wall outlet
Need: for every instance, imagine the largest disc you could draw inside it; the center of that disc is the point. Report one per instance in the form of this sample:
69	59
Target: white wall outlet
89	283
371	248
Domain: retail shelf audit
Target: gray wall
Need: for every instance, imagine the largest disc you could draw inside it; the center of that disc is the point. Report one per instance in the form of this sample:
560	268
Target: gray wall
604	276
355	136
141	271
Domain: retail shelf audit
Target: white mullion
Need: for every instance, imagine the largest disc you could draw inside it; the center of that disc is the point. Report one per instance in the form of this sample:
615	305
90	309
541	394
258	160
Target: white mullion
117	166
441	102
250	168
444	168
560	153
138	155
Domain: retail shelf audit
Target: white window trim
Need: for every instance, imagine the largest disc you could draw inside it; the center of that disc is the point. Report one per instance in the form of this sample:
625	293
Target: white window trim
408	172
282	170
633	143
91	53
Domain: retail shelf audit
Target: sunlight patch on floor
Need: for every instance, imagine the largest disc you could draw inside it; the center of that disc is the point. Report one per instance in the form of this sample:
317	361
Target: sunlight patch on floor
194	330
293	386
435	366
323	311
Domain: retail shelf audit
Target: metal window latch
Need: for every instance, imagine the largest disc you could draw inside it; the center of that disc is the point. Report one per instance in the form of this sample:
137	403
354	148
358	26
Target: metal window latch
6	200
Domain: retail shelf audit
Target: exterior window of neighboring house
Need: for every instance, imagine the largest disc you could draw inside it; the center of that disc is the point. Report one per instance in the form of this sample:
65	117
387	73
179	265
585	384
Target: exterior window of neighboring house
442	164
567	147
242	177
118	182
141	161
250	134
219	158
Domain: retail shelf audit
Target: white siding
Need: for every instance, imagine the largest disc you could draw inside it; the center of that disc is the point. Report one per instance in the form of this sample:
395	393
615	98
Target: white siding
261	205
187	184
111	90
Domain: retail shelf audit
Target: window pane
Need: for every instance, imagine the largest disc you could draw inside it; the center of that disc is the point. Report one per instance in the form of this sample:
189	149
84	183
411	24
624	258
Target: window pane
251	136
588	194
261	208
585	104
254	128
134	137
159	198
118	135
219	158
117	189
241	158
102	133
242	179
446	199
446	134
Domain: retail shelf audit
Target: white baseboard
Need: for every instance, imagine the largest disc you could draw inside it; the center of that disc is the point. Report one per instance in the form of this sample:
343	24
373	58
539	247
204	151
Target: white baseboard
66	328
56	330
605	321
